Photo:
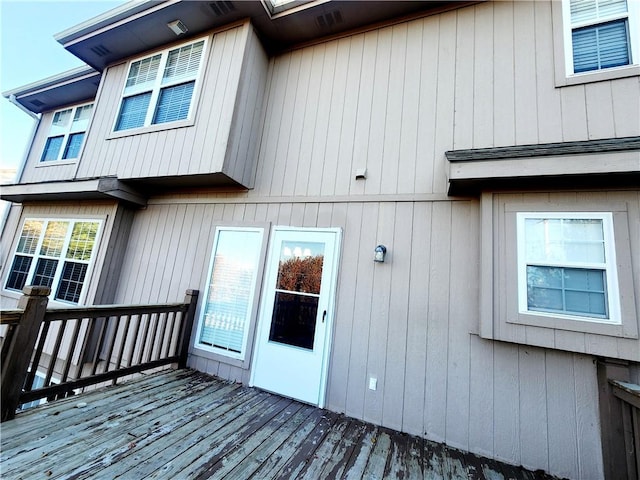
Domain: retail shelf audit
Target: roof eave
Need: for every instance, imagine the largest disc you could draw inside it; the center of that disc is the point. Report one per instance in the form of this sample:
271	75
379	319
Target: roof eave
73	86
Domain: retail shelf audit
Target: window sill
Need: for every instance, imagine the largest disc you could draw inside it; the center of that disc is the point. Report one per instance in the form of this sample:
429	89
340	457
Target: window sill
56	163
598	76
51	303
209	353
151	129
11	294
595	326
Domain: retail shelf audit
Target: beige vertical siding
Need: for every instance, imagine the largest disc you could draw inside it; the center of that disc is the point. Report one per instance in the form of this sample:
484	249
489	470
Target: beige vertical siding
410	322
246	127
391	100
200	148
394	99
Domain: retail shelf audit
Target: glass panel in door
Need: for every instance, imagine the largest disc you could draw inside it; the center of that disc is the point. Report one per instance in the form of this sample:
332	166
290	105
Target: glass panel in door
295	309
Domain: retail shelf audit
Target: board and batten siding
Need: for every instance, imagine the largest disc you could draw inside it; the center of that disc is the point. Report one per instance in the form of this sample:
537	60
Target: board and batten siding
391	100
411	322
220	116
394	99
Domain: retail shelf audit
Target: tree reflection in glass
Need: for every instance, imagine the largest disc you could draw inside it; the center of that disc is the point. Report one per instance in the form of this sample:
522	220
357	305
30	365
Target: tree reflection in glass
297	293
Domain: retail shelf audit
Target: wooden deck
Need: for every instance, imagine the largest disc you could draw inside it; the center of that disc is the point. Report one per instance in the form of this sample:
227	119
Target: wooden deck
187	425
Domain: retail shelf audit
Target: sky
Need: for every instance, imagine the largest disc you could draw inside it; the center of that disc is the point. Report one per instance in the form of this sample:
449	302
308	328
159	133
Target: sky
28	53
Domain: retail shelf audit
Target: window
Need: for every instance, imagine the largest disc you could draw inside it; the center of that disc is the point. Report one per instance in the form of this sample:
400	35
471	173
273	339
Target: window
230	299
566	265
600	34
67	133
557	271
56	253
159	89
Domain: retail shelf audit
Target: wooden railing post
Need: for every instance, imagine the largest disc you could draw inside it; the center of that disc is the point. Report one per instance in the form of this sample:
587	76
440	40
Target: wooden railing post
15	368
191	298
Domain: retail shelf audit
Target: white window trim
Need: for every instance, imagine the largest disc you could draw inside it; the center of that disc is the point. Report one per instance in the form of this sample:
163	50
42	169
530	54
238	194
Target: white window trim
564	47
500	318
90	263
611	275
242	358
67	133
151	127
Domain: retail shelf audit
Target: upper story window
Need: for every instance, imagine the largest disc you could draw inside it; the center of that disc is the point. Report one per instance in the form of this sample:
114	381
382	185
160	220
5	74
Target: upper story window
55	253
67	133
566	266
600	34
159	88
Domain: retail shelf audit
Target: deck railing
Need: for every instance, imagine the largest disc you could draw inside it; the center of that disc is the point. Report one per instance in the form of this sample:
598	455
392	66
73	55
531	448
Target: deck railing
629	394
82	346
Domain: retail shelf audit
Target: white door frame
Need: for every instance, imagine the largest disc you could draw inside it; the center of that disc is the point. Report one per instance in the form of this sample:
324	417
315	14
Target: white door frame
264	317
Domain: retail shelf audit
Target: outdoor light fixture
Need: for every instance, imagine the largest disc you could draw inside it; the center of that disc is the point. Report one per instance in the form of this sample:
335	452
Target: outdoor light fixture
379	254
177	27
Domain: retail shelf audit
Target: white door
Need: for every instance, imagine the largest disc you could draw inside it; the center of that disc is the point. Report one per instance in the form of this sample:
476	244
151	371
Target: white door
292	344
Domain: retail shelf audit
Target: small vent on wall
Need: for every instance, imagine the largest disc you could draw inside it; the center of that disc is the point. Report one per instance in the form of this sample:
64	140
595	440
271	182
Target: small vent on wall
328	20
36	103
222	8
100	50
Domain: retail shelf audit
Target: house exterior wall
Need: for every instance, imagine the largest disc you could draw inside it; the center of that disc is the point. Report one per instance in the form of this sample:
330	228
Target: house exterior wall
391	100
223	136
411	322
200	148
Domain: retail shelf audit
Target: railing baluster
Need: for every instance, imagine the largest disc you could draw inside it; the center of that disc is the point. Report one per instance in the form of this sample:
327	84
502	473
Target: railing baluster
164	346
123	342
72	349
96	354
156	324
6	341
113	340
135	340
35	361
144	338
54	353
175	333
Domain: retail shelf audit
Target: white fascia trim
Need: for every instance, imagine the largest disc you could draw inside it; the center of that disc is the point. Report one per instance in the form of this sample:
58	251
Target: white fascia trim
69	76
109	20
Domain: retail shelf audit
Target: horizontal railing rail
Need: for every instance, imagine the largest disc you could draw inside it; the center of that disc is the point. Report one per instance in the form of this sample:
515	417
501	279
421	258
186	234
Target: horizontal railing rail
72	348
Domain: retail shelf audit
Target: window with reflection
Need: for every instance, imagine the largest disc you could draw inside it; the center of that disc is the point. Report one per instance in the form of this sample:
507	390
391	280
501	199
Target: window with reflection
297	294
566	265
231	289
55	253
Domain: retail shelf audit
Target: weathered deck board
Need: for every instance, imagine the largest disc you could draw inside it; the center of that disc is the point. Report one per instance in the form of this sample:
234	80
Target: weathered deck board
187	425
